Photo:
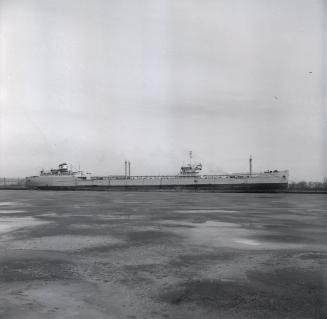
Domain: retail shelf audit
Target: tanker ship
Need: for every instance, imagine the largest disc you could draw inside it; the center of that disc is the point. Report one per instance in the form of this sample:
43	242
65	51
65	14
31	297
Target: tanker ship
188	179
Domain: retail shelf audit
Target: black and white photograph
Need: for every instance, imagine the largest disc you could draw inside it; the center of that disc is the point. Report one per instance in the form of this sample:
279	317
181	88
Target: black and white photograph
163	159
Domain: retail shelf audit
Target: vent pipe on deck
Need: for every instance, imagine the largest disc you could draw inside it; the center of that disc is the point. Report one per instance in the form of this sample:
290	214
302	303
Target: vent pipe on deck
129	169
250	162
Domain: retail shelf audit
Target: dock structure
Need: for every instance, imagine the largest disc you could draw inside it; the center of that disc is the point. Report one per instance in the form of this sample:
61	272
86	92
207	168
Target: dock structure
12	183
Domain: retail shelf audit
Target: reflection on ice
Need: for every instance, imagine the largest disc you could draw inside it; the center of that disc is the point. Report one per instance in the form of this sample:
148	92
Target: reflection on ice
208	223
8	224
11	211
9	203
247	242
197	211
224	234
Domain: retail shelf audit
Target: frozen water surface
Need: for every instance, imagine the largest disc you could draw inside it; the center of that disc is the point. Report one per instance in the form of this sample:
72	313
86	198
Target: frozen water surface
162	255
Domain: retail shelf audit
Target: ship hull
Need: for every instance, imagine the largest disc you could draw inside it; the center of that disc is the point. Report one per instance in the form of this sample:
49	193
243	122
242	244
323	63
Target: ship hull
259	183
222	188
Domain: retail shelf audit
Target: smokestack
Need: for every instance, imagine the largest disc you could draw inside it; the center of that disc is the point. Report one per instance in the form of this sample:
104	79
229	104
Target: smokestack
125	169
250	162
129	169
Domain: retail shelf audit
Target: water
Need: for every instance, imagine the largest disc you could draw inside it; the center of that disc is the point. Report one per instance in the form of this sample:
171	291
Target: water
270	221
160	255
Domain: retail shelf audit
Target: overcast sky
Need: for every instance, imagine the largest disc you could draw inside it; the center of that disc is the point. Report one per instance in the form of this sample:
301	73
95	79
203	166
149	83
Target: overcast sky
101	81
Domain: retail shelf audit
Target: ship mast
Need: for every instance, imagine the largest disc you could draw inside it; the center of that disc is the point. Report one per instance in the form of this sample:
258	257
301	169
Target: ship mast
190	154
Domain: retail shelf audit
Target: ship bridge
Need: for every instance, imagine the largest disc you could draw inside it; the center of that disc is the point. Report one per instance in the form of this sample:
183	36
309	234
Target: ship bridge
190	170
